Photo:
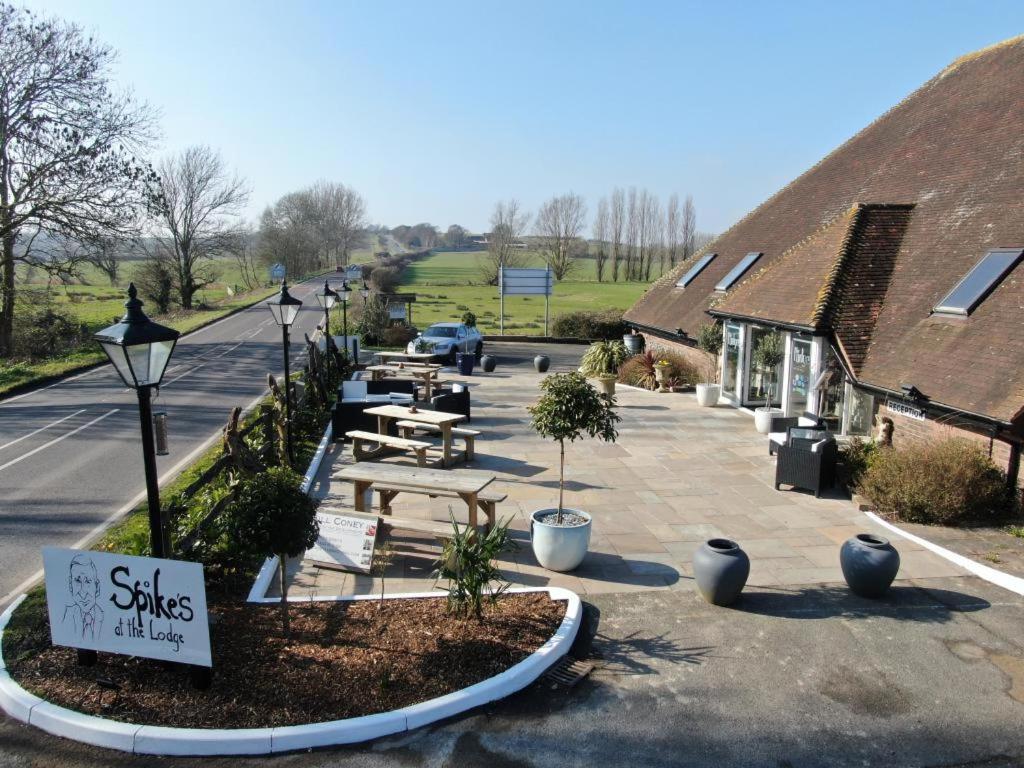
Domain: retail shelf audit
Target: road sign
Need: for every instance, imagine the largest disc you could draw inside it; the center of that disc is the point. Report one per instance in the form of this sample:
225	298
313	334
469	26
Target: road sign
136	606
525	282
277	272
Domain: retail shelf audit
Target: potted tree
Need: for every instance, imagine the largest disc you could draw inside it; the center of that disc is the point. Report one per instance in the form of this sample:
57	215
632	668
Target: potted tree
768	356
709	339
569	409
601	361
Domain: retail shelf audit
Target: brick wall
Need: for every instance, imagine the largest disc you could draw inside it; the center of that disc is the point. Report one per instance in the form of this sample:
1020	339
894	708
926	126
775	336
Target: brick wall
695	355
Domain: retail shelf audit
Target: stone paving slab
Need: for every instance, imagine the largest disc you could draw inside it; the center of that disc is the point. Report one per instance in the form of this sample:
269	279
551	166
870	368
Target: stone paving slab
678	475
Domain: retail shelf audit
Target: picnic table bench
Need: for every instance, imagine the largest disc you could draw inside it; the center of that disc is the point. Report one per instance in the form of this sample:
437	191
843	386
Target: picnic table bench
385	443
426	373
407	428
392	479
443	421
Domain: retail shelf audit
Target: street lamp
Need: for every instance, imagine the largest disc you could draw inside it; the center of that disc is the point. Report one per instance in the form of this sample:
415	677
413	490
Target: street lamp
343	296
285	308
327	300
364	291
139	350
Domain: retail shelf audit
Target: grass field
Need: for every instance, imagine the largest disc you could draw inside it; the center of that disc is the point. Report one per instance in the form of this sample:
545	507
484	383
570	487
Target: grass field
448	283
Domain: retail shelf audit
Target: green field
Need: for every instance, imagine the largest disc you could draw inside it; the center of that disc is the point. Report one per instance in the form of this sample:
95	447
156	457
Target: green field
448	283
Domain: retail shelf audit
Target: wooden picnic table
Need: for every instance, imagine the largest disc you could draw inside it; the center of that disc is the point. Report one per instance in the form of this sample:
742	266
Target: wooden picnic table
464	483
427	374
425	357
444	421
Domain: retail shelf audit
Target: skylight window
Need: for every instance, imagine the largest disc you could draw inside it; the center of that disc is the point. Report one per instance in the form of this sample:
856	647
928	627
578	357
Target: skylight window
737	272
979	282
695	270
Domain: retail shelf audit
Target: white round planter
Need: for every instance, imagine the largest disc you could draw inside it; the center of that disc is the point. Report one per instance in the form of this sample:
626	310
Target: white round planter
606	385
763	419
559	548
708	394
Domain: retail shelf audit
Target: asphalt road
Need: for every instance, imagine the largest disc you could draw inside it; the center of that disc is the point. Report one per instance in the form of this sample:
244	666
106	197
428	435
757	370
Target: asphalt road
71	456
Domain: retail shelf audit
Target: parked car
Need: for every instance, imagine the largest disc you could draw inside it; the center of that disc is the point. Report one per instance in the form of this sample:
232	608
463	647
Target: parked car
445	340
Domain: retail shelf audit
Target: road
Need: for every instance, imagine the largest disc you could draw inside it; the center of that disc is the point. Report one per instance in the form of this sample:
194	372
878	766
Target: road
70	454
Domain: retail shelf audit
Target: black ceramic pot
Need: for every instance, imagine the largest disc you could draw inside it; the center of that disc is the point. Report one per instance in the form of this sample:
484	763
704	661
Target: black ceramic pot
721	569
870	563
488	362
541	363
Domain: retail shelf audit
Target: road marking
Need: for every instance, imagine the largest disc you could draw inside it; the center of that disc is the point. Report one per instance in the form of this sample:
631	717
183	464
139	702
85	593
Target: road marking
41	429
7	400
183	375
231	349
56	440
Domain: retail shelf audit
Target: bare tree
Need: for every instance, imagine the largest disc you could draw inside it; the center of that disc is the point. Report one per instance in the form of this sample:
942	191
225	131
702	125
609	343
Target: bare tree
688	228
559	224
601	224
508	224
633	216
199	202
616	225
337	214
247	258
70	147
672	230
286	236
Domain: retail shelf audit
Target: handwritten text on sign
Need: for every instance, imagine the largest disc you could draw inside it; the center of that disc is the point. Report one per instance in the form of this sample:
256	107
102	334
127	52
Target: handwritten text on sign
137	606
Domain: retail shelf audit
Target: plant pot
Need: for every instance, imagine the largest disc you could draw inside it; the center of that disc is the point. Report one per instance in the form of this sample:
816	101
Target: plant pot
488	363
720	569
465	361
708	394
763	419
661	375
542	363
559	548
606	384
869	563
634	343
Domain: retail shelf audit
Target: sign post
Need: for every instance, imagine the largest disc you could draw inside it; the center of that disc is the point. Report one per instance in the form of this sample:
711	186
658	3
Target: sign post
525	282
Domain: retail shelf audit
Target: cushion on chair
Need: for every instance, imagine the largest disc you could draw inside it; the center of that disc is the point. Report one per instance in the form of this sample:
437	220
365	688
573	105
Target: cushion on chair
353	390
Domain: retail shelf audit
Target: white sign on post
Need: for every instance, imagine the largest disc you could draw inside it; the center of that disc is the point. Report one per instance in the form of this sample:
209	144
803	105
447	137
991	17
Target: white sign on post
525	282
137	606
346	541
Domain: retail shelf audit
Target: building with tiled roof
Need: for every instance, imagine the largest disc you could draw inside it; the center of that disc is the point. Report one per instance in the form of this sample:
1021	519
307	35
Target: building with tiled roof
892	266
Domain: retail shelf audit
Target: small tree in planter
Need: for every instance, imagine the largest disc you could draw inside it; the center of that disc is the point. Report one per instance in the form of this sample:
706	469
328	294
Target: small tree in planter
469	319
768	355
602	360
709	339
570	409
271	516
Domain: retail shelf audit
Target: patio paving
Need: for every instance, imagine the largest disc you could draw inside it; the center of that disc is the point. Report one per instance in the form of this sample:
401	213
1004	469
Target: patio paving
678	475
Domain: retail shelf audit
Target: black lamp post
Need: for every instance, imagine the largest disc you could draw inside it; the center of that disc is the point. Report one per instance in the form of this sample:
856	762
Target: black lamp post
327	300
285	308
364	291
343	296
139	350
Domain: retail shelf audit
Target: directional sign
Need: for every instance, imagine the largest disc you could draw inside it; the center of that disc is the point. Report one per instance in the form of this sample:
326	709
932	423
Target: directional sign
277	272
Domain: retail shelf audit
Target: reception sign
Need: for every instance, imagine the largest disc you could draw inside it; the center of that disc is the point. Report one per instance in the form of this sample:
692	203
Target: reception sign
346	541
137	606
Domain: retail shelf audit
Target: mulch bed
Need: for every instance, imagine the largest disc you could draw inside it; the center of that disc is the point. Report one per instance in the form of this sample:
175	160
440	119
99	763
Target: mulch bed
344	659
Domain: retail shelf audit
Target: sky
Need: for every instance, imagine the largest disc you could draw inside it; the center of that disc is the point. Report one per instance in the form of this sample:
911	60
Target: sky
435	110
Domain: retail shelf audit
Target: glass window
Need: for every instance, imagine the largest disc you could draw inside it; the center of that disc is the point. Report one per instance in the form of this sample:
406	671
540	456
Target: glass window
800	377
833	392
731	358
441	332
761	382
979	282
736	272
695	270
862	413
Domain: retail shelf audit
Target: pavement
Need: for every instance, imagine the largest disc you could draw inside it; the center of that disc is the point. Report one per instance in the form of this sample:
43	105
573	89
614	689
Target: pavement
70	453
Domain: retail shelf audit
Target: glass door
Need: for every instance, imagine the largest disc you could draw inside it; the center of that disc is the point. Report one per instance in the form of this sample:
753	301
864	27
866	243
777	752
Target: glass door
800	373
731	359
760	382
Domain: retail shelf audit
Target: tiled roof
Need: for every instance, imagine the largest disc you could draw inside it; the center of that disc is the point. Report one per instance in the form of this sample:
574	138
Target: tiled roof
954	149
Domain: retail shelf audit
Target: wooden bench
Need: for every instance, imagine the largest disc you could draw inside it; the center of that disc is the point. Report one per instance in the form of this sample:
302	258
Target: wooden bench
359	437
407	428
486	500
440	530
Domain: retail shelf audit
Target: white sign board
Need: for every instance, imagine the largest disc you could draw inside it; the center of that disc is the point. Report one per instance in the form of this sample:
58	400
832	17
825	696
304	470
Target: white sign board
346	541
524	282
396	311
277	272
904	409
137	606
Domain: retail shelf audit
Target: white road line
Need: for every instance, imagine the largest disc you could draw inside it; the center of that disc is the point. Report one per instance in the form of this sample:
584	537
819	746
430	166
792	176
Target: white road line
56	440
182	375
7	400
231	349
41	429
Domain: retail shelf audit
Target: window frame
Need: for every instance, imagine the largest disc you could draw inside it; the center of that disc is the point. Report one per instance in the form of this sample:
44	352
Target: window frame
965	307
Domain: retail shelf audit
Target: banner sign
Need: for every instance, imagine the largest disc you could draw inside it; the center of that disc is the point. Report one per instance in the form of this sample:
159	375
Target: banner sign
346	541
136	606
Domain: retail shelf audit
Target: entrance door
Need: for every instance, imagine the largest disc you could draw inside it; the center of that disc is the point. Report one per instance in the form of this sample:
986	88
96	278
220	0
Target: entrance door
731	360
800	373
759	381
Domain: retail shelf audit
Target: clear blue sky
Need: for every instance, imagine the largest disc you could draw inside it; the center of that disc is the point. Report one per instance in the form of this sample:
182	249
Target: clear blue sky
435	110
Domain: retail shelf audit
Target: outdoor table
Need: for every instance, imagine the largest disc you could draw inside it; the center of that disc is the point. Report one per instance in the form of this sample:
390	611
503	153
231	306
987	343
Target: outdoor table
422	356
465	483
428	374
444	421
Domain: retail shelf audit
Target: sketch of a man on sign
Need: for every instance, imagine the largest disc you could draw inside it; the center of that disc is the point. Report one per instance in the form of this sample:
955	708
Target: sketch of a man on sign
83	615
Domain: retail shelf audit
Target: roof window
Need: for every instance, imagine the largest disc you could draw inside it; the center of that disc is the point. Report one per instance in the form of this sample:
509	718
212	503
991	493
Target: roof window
737	272
979	282
695	270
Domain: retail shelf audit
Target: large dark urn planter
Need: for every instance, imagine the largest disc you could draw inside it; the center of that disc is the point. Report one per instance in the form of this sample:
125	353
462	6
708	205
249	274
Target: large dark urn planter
870	563
721	569
489	363
541	363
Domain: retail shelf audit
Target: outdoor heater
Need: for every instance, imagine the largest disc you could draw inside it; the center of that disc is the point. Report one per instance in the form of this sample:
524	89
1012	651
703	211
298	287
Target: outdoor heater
285	308
139	350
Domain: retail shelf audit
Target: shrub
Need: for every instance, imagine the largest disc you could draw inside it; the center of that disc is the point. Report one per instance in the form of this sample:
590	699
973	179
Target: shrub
467	562
468	318
857	457
603	357
946	482
384	279
44	331
605	324
374	320
638	371
397	336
